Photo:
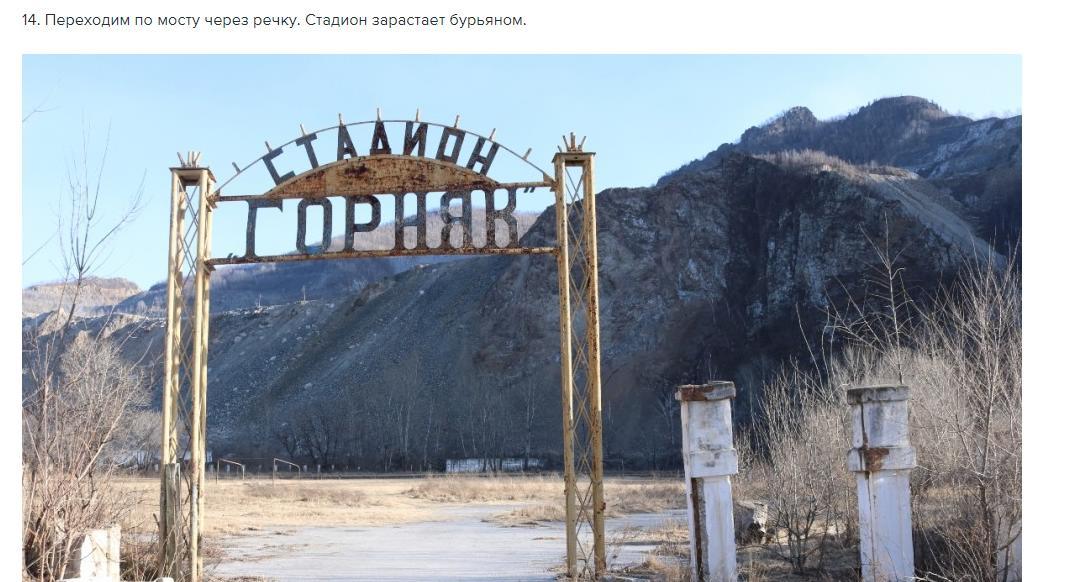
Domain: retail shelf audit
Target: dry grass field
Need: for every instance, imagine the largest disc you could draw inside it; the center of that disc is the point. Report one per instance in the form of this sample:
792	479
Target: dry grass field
258	506
233	507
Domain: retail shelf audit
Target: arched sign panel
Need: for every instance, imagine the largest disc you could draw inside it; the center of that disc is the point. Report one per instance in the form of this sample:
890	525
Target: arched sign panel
440	172
446	175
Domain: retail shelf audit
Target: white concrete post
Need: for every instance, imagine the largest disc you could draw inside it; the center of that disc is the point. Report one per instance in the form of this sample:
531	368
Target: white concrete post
96	558
710	459
882	459
1008	556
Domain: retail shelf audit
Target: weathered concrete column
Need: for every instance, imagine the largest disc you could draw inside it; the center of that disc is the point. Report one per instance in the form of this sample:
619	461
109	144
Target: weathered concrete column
1008	561
882	459
96	556
710	459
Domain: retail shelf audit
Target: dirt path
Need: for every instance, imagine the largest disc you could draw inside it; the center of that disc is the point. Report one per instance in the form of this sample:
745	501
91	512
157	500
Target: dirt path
459	547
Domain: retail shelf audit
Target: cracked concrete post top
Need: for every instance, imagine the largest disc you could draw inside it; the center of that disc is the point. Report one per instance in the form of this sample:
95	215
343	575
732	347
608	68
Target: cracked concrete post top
877	393
880	419
708	429
714	390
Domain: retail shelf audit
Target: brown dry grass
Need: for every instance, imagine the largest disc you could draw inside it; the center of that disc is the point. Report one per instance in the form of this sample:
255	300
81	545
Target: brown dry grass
232	507
532	515
477	489
669	562
624	496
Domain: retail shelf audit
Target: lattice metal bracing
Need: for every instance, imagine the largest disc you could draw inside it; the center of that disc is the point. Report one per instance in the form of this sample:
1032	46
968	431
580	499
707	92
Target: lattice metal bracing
183	404
580	349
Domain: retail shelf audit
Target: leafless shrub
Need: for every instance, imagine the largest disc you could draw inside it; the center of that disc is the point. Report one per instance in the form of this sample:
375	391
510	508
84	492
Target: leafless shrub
67	431
798	468
965	375
78	390
818	161
961	358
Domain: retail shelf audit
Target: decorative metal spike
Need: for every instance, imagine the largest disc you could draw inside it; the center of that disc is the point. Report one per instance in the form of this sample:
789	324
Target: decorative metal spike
268	146
566	143
341	119
492	136
581	146
417	116
527	152
235	166
182	162
378	114
457	119
302	128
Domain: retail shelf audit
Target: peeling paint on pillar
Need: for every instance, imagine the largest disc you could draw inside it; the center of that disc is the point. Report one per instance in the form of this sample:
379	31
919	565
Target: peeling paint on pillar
710	459
882	459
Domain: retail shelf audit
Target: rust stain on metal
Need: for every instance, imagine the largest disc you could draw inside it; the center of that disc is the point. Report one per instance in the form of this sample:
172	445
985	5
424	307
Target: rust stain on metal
384	253
379	174
580	361
701	392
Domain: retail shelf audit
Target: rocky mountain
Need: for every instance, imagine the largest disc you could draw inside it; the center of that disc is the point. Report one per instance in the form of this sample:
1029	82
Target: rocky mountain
96	293
721	270
976	162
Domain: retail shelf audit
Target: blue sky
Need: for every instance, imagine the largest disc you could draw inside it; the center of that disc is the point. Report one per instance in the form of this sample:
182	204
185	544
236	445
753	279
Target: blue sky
643	115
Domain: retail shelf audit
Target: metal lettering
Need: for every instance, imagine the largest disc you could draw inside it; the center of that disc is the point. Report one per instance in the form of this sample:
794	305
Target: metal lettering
307	141
346	145
267	159
251	221
352	227
449	132
506	215
449	220
413	139
417	221
380	144
486	160
326	234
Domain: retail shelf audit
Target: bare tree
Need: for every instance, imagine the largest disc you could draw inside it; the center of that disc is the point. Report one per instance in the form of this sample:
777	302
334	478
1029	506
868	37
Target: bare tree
529	399
287	437
66	471
965	372
961	357
320	431
802	476
77	389
139	441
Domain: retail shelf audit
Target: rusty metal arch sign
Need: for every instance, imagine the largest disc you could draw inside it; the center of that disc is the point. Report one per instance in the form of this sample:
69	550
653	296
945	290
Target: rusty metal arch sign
406	160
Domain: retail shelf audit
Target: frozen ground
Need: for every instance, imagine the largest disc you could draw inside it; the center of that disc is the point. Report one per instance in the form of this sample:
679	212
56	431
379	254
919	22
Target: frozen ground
460	546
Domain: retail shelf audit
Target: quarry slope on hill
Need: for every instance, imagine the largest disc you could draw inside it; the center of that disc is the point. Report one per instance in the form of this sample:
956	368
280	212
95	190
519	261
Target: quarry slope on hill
976	162
721	270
